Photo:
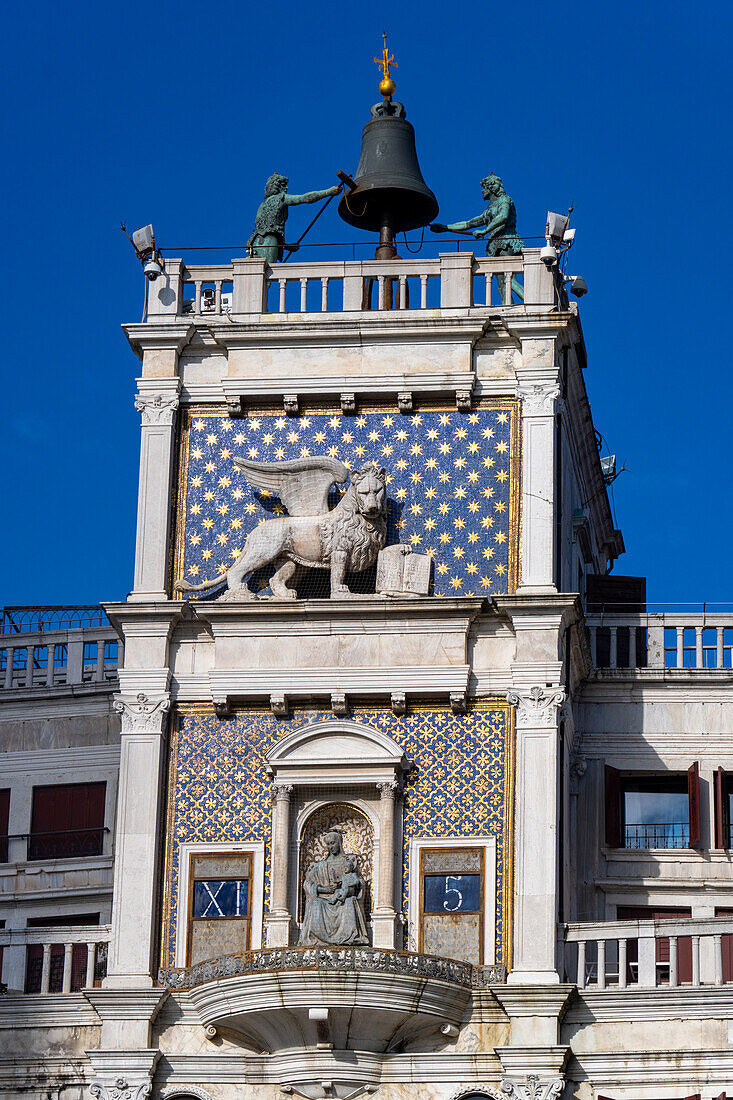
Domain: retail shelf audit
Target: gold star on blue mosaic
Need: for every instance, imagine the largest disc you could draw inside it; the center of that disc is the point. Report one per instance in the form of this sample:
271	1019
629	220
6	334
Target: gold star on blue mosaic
451	485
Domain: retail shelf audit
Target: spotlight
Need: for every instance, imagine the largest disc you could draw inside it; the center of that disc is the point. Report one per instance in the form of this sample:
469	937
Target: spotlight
556	225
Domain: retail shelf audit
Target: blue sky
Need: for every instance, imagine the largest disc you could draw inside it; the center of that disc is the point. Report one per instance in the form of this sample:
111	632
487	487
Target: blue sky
176	114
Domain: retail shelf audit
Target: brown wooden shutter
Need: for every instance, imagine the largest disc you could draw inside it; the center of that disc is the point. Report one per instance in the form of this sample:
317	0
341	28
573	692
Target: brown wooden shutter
693	803
696	1096
4	819
721	1097
722	824
613	808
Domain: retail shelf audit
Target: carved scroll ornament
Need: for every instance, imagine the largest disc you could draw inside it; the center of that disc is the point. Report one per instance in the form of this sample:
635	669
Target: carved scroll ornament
537	706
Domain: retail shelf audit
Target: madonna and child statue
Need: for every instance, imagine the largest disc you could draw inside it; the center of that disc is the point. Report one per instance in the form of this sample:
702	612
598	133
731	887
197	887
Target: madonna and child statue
334	898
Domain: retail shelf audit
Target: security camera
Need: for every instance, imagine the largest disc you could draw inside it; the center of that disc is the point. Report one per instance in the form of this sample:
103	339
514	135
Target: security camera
578	285
152	269
548	255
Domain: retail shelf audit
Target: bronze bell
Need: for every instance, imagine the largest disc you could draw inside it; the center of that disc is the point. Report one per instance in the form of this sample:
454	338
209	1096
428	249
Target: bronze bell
390	196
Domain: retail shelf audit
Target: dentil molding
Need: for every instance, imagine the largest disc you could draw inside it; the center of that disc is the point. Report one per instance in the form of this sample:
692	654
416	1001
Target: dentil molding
536	707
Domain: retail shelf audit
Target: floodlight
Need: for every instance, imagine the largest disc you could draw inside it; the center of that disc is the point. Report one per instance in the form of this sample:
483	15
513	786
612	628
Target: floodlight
556	225
144	241
608	468
569	235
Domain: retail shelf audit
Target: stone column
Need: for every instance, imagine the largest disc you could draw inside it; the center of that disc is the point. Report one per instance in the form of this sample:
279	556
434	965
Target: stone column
384	917
535	844
279	920
157	401
137	839
538	484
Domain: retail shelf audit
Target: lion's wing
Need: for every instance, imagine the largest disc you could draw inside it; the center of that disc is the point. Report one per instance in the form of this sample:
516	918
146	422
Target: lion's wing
302	484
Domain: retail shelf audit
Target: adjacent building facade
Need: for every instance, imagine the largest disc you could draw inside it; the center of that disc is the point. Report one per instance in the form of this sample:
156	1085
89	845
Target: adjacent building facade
526	777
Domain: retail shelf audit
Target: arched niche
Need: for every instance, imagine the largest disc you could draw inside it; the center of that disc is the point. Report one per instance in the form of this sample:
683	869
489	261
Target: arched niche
324	765
357	832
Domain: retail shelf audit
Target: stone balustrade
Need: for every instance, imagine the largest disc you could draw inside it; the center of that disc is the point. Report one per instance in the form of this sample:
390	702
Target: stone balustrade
44	648
662	640
339	959
599	954
451	280
65	960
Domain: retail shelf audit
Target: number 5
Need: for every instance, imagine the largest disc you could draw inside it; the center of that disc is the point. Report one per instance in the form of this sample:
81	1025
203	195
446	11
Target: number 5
452	890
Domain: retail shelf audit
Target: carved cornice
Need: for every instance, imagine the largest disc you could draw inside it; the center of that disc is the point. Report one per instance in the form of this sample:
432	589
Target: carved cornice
157	408
141	713
536	707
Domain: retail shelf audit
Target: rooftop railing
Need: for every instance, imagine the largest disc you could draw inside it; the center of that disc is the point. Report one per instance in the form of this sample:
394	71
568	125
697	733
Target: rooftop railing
649	954
46	647
687	639
450	280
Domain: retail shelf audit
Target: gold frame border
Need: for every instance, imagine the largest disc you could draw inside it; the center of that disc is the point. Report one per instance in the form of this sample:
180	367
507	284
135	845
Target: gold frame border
512	405
483	703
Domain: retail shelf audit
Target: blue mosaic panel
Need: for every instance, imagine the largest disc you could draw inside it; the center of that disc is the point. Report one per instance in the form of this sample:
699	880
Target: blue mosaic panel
451	485
219	789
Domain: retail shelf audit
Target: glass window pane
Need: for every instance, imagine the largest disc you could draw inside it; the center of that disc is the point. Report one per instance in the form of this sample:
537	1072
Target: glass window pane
452	893
214	898
655	812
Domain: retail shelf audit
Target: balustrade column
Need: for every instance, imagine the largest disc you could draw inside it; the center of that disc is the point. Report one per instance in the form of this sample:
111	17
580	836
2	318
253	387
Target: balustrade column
384	917
279	919
68	956
10	659
91	960
46	968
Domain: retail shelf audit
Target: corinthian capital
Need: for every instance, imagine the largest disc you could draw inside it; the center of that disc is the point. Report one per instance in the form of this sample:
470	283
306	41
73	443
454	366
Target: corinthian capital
536	706
535	1089
121	1089
157	408
141	714
538	399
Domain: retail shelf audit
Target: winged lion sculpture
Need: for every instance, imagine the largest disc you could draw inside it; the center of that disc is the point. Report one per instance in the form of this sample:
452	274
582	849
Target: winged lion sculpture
347	537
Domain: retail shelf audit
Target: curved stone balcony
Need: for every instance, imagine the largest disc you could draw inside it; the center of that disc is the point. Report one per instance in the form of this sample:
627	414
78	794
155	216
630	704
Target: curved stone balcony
331	999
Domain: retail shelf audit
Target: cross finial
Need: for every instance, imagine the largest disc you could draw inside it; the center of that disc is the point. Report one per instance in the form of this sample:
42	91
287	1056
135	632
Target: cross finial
386	85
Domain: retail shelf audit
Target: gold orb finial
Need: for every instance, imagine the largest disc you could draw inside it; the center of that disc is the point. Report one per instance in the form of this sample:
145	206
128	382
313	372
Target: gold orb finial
386	85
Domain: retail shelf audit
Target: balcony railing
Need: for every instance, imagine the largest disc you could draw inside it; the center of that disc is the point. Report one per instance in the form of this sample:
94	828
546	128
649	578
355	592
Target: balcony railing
53	960
665	835
71	843
599	955
46	647
662	640
451	280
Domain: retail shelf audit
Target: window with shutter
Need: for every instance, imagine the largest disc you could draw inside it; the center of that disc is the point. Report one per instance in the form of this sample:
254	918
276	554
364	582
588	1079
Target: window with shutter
4	819
613	808
67	820
722	809
693	803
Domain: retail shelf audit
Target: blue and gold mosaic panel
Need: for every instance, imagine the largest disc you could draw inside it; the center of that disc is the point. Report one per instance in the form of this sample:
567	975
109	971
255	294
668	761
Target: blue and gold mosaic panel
452	484
460	785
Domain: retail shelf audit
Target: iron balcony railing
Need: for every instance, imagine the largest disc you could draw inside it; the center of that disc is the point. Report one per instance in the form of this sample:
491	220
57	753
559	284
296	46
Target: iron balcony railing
46	647
35	620
69	843
665	835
